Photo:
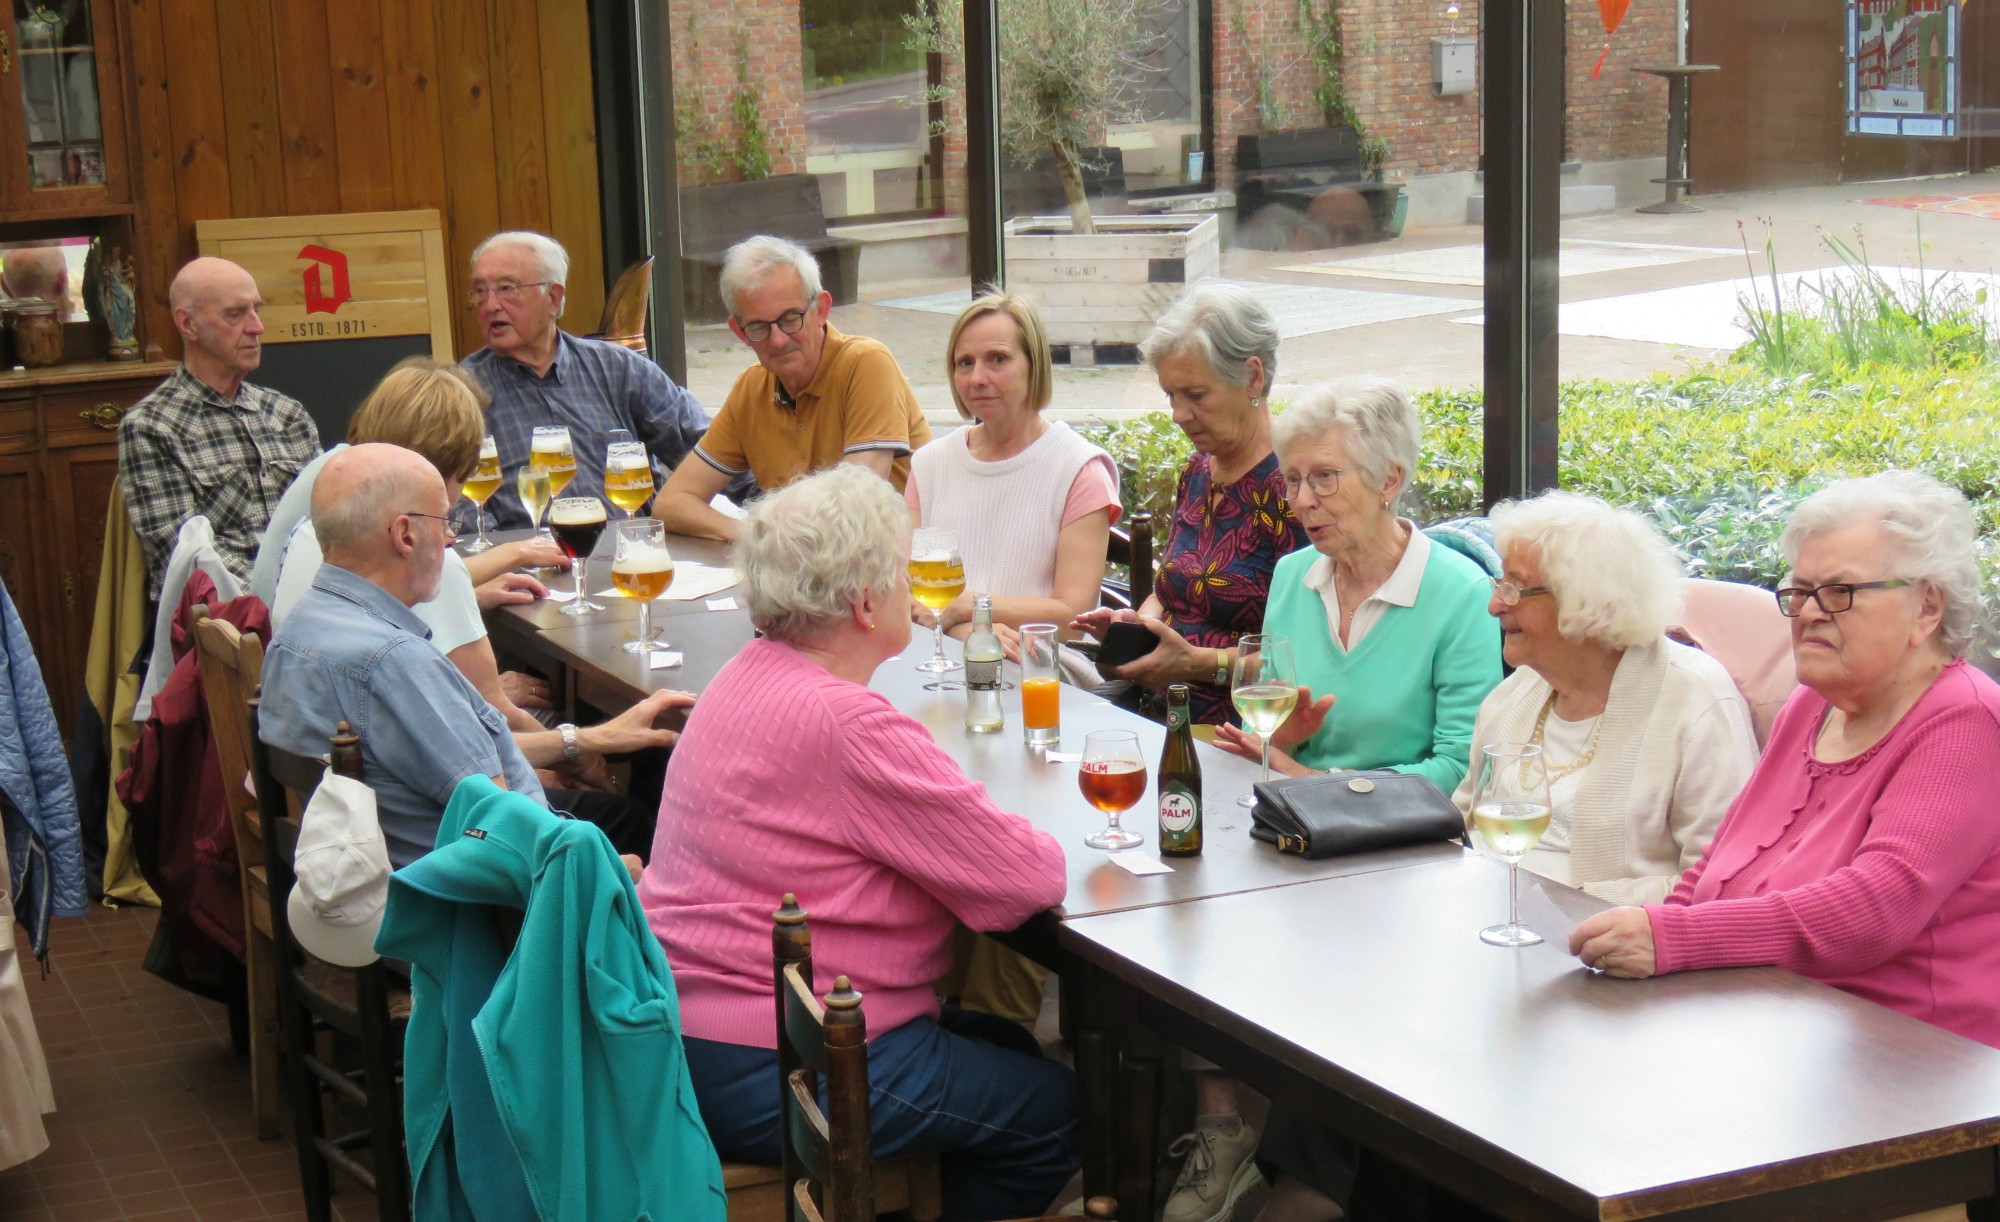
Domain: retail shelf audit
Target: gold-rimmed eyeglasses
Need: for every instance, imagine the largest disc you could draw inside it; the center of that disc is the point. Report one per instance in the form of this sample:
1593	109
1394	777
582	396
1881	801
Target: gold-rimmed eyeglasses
1324	482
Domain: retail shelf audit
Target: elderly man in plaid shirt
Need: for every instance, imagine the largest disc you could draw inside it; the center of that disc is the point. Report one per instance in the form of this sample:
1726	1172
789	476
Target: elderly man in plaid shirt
207	442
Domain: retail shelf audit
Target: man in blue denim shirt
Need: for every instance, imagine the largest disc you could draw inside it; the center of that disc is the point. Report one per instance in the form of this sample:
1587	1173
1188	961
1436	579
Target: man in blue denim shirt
353	651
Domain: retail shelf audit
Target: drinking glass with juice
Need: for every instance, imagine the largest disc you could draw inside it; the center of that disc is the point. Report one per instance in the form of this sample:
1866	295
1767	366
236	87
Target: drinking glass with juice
1041	679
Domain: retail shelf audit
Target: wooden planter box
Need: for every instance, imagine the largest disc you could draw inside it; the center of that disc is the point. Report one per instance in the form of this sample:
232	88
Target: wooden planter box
1100	293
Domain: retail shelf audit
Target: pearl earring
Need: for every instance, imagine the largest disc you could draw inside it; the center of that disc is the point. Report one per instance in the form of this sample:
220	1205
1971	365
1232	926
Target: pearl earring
1255	401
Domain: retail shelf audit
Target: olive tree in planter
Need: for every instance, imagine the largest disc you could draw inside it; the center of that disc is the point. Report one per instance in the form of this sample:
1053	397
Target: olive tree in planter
1068	70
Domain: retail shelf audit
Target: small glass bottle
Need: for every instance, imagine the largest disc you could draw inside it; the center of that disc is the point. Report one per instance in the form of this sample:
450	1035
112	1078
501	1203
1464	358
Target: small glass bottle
982	671
1179	781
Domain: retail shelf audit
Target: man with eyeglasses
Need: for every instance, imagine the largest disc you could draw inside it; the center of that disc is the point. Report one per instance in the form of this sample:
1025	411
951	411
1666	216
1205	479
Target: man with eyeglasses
539	375
207	441
814	398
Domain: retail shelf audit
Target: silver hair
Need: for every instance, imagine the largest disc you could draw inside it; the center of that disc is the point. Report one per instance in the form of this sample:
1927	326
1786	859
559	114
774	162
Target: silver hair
808	550
1930	532
551	260
1225	324
1378	426
1614	578
383	491
750	262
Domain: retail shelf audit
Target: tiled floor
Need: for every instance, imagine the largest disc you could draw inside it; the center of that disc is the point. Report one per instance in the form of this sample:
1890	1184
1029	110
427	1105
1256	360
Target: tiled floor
153	1113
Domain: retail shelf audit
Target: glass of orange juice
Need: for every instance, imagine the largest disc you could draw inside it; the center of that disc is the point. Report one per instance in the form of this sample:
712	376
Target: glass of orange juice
1041	679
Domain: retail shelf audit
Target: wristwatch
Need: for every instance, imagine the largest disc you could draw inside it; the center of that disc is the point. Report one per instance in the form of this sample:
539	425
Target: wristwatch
572	750
1222	668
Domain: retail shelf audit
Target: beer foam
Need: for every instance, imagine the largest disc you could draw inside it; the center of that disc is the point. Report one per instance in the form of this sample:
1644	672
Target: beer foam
643	558
576	512
939	556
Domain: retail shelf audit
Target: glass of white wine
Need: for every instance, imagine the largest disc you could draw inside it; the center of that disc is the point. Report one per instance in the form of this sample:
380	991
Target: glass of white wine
937	578
1264	688
532	482
642	569
479	488
1510	811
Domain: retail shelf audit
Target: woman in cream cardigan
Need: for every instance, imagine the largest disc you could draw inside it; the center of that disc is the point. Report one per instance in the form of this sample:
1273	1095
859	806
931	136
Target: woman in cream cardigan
1647	741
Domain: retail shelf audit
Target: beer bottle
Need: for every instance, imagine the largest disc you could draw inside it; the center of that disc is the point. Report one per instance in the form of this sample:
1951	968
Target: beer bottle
1180	781
982	671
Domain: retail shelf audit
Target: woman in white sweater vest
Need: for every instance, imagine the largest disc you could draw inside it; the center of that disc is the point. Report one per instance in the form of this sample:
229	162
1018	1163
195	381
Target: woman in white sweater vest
1031	501
1647	741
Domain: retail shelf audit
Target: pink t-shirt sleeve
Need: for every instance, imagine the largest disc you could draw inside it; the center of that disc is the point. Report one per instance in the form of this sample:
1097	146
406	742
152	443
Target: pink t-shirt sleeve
1094	488
910	495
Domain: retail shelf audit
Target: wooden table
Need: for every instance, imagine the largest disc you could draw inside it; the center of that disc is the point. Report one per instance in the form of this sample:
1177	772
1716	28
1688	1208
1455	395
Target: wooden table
1529	1084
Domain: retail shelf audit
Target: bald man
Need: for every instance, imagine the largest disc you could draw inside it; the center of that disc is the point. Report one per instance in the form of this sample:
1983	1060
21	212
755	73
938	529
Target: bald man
352	650
35	272
206	441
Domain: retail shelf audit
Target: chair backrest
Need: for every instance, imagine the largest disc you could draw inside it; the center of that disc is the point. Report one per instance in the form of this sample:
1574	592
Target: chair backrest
231	665
829	1172
1132	546
1741	627
624	318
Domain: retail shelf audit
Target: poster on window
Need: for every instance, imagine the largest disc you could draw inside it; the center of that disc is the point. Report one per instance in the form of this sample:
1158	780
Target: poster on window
1902	67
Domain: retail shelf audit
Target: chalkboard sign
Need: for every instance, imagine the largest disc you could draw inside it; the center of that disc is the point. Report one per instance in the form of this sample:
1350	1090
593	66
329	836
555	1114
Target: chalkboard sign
345	298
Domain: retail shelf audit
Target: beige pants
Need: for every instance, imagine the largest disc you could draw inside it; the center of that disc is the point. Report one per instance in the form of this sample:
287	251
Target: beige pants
998	981
24	1075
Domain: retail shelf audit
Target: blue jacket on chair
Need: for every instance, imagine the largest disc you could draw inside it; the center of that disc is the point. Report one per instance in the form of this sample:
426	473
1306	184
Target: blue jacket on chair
44	840
548	1082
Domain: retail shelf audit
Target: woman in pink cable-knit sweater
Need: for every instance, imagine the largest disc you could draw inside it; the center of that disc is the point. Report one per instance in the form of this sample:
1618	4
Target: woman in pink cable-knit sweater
1865	849
792	776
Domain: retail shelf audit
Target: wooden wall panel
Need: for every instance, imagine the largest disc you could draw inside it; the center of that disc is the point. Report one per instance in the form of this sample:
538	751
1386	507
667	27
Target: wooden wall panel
482	109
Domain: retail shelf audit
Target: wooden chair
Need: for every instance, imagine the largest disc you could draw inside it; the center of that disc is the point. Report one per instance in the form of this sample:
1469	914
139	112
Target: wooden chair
231	666
366	1005
829	1168
1132	546
624	319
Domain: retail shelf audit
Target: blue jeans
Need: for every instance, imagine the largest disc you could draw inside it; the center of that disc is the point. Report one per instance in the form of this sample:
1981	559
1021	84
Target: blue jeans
971	1088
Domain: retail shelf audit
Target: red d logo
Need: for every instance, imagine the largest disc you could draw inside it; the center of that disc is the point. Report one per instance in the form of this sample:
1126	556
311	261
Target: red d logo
319	298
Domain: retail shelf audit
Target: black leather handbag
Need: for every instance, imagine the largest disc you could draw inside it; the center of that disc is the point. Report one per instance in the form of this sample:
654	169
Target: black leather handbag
1333	814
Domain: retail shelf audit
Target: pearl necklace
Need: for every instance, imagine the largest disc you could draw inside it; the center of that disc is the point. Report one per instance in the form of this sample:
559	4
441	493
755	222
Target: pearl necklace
1558	771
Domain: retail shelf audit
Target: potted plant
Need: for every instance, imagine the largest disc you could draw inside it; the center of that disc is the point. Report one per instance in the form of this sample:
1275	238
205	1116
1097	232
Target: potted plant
1068	70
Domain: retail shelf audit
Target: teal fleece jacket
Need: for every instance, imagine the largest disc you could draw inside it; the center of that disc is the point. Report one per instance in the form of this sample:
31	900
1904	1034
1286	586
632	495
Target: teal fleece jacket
548	1083
1407	695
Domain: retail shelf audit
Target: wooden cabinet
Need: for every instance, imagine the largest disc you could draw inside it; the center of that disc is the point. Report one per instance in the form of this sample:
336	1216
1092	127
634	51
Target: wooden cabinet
58	457
62	112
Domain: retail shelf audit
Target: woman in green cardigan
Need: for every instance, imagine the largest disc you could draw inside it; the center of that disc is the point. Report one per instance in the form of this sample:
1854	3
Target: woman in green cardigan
1393	631
1389	629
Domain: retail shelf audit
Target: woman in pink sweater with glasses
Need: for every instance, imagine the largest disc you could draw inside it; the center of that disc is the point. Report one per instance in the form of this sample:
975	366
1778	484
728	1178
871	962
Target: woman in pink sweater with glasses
1863	851
793	776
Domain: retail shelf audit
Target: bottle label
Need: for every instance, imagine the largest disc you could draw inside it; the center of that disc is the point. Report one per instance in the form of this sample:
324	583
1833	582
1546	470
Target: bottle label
1180	810
982	676
1177	716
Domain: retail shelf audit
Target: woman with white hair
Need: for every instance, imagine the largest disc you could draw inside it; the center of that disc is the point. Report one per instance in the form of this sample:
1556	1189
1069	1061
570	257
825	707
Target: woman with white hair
1863	851
1215	354
1392	630
1646	740
793	776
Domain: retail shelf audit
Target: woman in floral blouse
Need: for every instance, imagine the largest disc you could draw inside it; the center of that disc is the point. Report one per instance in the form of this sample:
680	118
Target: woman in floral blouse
1215	354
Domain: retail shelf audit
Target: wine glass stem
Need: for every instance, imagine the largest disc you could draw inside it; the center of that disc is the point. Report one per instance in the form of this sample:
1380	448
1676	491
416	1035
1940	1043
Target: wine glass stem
1266	740
937	635
1514	894
577	573
645	621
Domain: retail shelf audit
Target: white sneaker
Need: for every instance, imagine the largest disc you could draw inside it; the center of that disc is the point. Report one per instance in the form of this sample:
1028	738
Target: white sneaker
1218	1171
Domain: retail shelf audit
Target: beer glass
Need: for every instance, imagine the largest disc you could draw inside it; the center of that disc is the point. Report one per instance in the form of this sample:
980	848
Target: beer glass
550	449
578	522
1041	686
1510	811
642	569
628	475
1112	778
1264	688
479	488
532	483
937	578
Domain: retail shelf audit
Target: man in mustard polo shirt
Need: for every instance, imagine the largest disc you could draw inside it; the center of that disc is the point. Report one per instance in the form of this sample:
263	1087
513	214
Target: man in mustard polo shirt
815	397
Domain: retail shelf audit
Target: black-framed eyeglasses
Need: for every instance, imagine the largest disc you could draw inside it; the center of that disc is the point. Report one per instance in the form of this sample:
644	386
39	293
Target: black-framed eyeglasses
1511	594
1833	597
758	330
509	293
1323	482
435	517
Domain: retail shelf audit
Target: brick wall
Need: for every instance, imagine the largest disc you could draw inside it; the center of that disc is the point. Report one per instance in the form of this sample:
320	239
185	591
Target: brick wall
706	38
1622	113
